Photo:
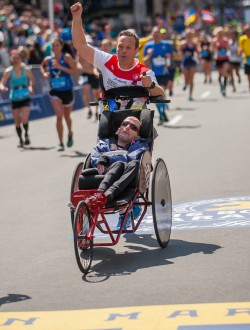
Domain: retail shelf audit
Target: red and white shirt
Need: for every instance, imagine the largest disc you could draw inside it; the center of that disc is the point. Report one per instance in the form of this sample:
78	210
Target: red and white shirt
114	76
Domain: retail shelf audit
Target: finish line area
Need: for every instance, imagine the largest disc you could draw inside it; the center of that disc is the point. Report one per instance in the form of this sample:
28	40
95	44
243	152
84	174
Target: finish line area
217	316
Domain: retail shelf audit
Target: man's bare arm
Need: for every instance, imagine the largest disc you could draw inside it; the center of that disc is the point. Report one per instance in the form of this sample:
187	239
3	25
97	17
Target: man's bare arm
84	50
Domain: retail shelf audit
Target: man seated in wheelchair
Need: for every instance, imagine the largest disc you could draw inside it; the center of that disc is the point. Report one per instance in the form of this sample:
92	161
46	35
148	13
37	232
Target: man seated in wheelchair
117	159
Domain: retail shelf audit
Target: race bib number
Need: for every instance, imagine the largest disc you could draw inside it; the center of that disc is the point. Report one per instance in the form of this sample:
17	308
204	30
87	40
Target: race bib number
21	94
159	61
58	82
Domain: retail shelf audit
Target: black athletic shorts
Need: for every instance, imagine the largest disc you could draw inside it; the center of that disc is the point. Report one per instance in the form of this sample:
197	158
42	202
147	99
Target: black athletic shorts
67	97
247	69
91	79
20	104
219	63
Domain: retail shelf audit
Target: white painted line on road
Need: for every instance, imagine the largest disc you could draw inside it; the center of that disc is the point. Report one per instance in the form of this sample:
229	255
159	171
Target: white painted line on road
174	121
205	94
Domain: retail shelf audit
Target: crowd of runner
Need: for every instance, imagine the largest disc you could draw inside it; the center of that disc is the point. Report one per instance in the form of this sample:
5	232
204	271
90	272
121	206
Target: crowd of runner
26	38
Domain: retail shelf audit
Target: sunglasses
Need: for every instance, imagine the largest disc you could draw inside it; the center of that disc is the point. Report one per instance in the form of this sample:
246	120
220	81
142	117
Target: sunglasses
131	126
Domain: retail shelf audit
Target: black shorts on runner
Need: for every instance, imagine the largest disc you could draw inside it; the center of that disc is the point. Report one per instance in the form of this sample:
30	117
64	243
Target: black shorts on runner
219	63
20	104
91	79
235	64
67	97
247	69
163	80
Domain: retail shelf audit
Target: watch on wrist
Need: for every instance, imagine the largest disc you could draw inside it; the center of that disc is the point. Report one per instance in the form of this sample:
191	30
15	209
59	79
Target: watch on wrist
152	85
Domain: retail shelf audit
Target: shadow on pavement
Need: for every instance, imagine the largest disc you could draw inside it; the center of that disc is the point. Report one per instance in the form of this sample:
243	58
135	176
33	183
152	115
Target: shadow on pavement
37	148
76	154
13	298
144	252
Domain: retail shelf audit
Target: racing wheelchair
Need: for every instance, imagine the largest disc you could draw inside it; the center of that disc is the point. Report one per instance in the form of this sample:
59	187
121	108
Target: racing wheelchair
88	208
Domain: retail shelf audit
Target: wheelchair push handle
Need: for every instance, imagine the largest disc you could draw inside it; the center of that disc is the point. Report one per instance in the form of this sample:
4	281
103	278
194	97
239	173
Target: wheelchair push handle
154	99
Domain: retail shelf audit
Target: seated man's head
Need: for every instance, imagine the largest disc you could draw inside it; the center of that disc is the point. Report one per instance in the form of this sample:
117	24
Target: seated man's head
128	130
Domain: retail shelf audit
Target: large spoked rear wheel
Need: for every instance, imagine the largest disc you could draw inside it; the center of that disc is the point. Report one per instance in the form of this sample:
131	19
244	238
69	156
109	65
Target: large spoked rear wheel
82	245
161	203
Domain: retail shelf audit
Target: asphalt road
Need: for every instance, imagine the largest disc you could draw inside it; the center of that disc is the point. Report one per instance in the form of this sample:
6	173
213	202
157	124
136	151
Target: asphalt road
206	149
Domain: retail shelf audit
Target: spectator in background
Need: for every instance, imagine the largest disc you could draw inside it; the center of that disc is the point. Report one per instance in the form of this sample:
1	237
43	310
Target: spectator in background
4	56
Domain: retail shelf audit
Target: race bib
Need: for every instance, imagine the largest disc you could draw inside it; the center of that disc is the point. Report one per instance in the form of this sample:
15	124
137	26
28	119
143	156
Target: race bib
58	82
204	53
188	54
222	52
21	93
159	61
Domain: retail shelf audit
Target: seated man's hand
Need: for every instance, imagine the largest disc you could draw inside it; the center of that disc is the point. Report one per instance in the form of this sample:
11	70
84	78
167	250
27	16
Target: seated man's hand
103	160
101	168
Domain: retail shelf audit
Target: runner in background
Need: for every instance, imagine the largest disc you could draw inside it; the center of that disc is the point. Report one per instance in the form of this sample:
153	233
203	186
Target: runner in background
244	48
189	51
158	56
58	68
21	86
235	59
206	56
172	65
221	55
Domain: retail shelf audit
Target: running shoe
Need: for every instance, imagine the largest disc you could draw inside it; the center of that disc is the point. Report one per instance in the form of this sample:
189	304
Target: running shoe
27	140
61	147
89	114
20	145
136	214
190	98
70	141
165	118
127	222
184	87
223	91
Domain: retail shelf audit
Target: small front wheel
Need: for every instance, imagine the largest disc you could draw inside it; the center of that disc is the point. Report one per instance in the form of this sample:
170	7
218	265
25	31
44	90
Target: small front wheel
161	203
83	245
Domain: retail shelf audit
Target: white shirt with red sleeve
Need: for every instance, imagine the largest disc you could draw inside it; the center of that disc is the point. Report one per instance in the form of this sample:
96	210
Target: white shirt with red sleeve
114	76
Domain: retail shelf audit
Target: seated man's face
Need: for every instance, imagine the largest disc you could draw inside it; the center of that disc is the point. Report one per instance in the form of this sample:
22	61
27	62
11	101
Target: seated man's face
128	130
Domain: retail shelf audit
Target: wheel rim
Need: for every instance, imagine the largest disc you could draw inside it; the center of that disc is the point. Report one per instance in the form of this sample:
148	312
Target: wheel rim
83	246
161	203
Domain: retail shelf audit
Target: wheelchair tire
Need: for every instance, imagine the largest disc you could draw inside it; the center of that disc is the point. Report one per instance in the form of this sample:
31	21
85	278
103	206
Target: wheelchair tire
75	177
161	202
83	246
74	187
